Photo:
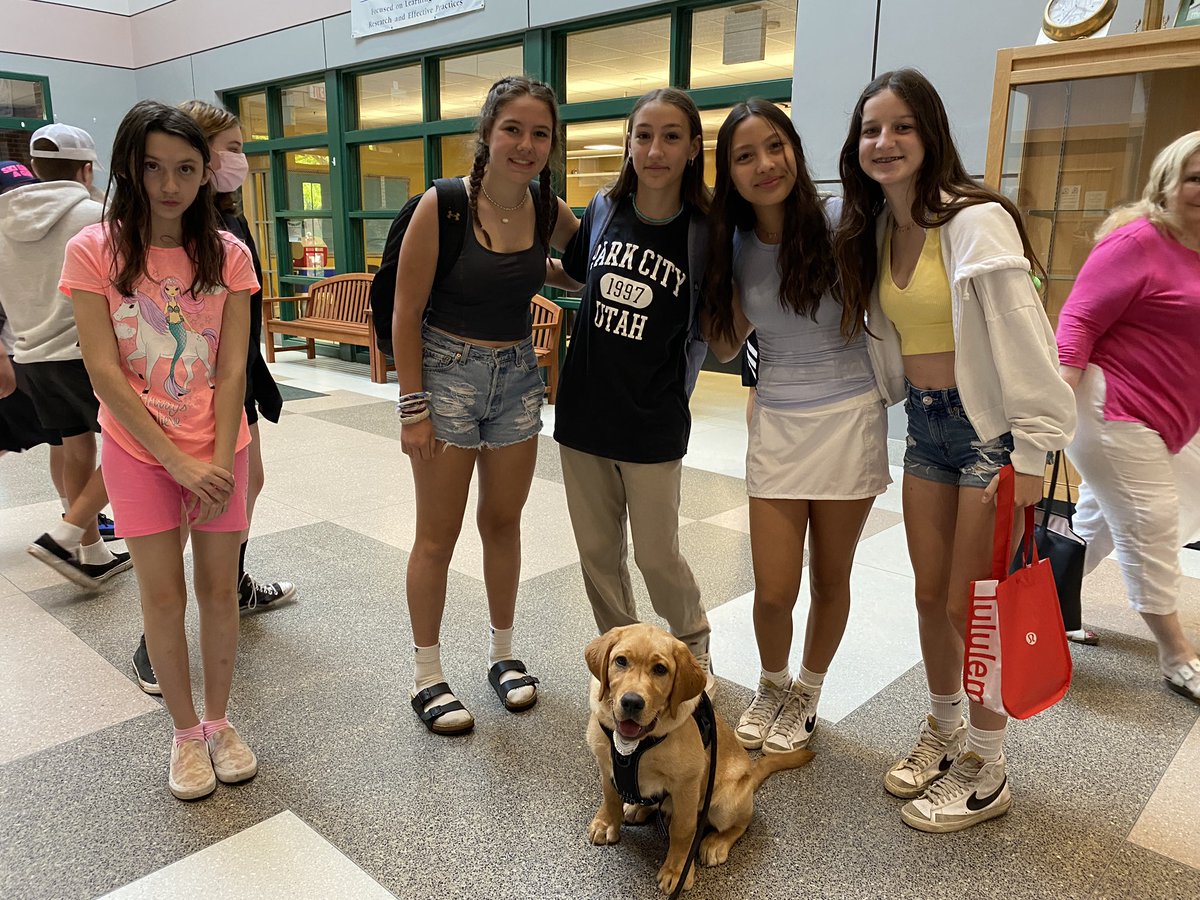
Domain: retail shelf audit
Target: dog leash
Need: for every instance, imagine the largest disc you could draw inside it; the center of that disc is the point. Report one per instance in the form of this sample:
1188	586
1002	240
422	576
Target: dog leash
702	821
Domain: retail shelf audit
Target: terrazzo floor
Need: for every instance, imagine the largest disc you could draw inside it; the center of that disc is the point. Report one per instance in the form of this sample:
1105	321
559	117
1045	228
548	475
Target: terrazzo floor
355	799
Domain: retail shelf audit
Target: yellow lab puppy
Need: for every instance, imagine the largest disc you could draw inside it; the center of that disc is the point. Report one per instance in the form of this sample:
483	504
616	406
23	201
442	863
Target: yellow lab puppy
647	685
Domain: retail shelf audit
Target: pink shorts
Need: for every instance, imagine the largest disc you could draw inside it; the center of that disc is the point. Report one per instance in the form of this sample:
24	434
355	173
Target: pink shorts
146	500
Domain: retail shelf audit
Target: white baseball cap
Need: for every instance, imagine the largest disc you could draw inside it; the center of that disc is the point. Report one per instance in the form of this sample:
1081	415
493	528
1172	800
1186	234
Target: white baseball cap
72	143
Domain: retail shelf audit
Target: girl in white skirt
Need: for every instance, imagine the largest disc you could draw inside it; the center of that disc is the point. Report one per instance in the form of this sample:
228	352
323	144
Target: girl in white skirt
817	454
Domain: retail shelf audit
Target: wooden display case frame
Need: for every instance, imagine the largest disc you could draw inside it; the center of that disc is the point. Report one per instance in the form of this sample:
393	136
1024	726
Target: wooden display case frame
1122	54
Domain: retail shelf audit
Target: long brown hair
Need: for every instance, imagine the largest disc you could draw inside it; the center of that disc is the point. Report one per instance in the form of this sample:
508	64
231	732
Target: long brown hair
806	267
693	190
942	175
506	89
214	120
127	207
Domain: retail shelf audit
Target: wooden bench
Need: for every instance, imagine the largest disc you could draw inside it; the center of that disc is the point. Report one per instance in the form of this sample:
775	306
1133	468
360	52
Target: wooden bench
334	309
547	338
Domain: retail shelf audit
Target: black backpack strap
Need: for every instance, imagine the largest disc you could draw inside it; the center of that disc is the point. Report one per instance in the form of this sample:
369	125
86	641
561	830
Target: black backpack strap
453	220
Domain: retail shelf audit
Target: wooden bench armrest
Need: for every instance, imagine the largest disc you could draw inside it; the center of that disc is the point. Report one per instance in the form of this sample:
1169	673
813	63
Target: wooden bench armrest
271	304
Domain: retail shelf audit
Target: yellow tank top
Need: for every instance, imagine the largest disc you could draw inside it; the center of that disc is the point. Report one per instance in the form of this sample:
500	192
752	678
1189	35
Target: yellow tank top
921	311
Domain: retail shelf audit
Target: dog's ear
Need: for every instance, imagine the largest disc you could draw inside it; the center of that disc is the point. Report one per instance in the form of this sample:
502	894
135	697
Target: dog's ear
690	679
596	653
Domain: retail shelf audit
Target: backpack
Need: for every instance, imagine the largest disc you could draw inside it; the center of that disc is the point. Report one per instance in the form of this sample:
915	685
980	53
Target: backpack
453	220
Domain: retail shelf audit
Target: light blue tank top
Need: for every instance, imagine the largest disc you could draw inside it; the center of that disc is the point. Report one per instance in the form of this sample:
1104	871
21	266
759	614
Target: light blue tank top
801	363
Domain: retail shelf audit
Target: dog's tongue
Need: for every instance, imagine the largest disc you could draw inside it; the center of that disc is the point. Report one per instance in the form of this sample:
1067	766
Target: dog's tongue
629	728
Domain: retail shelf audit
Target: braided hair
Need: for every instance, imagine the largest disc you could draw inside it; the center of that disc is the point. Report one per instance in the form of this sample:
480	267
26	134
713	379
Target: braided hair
510	87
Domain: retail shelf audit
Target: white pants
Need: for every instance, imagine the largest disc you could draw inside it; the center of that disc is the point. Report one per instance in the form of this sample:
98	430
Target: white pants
1136	497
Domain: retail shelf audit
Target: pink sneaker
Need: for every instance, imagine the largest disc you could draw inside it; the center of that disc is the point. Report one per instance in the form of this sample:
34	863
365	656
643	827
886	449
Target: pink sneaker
232	760
191	775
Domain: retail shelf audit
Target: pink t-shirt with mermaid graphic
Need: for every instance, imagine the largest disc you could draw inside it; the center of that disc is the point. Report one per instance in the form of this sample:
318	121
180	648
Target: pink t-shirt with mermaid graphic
167	337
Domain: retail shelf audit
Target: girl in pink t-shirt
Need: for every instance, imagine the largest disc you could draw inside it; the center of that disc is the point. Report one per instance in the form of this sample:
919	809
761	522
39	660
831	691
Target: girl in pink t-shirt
161	299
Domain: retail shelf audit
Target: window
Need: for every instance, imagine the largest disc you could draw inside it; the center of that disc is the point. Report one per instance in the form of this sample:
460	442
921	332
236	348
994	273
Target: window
304	109
464	80
258	206
594	154
252	113
391	173
22	98
389	98
458	154
743	43
623	61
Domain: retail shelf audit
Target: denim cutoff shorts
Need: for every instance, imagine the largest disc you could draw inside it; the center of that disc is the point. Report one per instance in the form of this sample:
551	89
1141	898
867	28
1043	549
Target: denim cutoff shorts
481	397
943	445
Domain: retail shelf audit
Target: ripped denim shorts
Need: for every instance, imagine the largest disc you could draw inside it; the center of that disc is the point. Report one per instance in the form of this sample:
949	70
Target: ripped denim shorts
943	445
481	397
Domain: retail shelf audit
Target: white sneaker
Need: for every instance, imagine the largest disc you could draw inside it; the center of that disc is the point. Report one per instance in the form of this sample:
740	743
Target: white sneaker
710	686
796	722
927	762
752	727
972	792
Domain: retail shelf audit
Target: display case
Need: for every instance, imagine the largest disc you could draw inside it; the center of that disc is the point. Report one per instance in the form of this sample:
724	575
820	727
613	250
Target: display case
1074	129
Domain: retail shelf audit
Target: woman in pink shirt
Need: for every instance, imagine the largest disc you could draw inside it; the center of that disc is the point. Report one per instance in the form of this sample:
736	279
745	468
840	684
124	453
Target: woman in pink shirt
1129	344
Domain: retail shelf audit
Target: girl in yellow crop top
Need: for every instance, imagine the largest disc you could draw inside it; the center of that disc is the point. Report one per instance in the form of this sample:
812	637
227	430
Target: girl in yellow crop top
905	193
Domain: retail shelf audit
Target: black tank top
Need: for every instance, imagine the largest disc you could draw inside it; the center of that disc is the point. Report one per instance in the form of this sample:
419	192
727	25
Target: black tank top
486	294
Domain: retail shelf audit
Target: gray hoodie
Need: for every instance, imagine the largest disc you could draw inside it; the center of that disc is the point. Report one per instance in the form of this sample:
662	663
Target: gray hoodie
36	221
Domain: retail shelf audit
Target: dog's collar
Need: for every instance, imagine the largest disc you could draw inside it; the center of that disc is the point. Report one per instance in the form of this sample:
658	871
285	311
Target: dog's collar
625	768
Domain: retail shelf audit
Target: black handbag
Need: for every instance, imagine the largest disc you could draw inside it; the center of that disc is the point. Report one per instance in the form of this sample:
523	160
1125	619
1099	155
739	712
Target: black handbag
1057	541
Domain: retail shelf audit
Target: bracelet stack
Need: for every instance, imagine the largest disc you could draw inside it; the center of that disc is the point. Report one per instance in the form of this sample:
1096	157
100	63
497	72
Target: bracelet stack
413	407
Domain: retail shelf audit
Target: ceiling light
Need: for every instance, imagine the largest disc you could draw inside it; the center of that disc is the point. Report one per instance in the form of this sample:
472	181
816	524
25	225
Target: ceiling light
603	147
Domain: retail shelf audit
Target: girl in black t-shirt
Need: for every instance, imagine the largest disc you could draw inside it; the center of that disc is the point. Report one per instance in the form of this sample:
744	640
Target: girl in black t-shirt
622	417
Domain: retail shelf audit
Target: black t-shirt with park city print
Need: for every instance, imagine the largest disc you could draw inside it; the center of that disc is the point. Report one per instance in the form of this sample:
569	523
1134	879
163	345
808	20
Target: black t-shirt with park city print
622	394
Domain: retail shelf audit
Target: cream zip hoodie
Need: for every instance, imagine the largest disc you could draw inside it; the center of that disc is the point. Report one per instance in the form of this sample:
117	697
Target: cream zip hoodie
36	221
1005	355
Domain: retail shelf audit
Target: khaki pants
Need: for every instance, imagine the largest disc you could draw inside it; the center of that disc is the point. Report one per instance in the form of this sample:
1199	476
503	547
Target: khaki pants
602	494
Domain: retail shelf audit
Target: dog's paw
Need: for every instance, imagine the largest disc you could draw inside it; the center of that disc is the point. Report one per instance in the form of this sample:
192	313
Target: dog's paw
713	850
636	814
668	878
601	832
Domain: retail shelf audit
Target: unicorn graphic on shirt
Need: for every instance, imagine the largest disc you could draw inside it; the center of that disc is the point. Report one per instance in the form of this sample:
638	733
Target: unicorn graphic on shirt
162	334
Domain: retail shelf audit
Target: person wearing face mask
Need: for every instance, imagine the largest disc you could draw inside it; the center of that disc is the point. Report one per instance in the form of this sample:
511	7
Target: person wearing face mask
229	168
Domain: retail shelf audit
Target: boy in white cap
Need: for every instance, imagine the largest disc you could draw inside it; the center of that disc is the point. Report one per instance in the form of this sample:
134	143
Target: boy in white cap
36	221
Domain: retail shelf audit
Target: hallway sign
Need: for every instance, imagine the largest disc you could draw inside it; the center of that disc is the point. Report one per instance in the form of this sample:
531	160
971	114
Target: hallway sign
369	17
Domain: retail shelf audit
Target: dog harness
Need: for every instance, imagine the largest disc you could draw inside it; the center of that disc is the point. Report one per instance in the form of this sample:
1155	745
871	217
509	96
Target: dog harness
625	768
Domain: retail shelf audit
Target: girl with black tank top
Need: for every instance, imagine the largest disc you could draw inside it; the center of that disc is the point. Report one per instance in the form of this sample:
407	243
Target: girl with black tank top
471	394
621	417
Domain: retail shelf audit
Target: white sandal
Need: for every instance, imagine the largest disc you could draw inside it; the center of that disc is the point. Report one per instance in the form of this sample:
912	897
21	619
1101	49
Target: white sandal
1186	681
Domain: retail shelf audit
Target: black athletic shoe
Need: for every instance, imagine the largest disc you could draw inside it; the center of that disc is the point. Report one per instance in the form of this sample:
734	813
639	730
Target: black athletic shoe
146	678
108	529
62	561
252	595
101	572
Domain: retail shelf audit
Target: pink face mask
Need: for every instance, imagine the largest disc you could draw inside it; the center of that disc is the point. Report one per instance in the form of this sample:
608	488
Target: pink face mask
234	169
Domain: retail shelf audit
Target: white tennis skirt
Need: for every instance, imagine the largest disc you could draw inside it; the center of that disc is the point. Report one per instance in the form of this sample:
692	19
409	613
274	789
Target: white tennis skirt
832	452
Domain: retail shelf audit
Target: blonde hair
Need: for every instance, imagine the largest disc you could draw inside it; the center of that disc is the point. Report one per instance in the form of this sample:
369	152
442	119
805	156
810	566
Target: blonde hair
211	119
1166	174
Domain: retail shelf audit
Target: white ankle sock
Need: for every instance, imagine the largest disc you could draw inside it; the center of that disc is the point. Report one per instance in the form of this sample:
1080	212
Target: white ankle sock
947	709
988	745
66	504
428	673
96	554
811	680
66	535
781	679
500	648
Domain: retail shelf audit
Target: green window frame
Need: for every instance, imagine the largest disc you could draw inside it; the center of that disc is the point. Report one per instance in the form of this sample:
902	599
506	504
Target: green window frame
27	124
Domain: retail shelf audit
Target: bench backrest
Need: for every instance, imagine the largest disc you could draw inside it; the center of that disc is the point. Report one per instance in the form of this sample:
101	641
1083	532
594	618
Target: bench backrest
343	298
547	313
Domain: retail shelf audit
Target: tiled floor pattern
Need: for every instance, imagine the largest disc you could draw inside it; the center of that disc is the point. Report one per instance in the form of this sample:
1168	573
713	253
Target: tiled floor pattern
355	799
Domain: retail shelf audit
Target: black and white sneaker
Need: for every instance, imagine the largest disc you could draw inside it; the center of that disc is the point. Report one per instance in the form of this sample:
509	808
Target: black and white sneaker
101	572
146	678
253	595
63	561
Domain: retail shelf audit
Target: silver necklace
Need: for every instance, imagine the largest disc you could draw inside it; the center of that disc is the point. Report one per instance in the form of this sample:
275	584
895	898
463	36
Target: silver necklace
503	219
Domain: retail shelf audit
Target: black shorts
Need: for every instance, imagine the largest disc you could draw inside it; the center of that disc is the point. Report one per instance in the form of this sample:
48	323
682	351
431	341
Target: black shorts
750	361
62	395
19	425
